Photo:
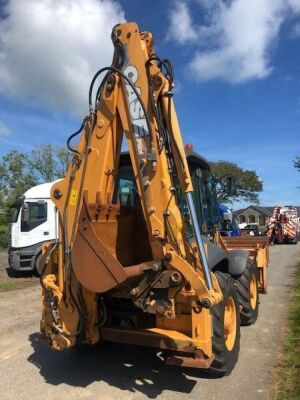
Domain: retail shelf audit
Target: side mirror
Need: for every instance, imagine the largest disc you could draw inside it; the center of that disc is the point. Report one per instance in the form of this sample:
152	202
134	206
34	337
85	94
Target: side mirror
25	213
231	185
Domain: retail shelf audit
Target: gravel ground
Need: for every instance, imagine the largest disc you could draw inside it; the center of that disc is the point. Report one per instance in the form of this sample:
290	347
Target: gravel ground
29	369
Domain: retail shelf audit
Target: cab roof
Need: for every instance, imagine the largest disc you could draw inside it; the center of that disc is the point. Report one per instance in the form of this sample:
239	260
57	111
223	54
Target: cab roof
193	158
40	191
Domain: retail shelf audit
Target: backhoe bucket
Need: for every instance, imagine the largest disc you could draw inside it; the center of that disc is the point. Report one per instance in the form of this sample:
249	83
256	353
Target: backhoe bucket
106	245
94	265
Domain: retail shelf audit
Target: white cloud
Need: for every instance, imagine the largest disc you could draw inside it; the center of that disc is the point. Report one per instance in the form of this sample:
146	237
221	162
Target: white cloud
50	50
294	4
237	37
4	130
296	30
181	27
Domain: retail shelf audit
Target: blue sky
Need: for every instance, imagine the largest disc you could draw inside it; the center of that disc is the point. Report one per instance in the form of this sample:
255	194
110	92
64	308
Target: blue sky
237	68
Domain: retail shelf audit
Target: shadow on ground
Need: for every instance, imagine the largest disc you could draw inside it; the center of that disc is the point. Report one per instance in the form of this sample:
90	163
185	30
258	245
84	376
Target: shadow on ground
18	274
136	369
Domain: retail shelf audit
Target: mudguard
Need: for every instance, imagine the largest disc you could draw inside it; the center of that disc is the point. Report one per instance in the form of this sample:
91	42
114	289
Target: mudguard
237	261
215	254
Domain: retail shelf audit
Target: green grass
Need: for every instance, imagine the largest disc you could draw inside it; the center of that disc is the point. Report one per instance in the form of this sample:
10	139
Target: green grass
16	285
288	379
8	286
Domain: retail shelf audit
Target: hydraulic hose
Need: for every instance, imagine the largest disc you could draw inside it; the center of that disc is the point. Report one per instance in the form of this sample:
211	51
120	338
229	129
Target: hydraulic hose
111	70
72	136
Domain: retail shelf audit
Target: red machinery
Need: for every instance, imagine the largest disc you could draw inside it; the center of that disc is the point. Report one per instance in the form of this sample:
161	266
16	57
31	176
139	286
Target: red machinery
282	226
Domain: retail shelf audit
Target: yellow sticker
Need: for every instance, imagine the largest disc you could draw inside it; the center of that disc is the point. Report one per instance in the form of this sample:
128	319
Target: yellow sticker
73	197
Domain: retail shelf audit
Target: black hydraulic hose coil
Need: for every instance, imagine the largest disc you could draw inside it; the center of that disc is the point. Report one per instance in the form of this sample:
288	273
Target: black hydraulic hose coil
72	136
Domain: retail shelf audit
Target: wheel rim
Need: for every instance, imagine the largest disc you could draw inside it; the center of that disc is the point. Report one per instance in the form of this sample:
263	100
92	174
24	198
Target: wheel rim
230	323
253	292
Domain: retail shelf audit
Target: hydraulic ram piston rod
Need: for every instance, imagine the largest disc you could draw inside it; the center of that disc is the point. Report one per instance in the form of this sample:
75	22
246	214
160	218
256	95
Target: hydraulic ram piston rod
199	240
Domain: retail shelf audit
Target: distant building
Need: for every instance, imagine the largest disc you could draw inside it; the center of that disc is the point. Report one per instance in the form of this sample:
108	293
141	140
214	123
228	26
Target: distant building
256	215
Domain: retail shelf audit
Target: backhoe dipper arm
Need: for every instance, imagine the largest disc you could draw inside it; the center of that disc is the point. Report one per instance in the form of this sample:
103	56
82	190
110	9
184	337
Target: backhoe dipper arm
135	98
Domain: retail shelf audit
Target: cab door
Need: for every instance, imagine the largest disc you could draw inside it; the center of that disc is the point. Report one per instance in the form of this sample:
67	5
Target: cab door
34	222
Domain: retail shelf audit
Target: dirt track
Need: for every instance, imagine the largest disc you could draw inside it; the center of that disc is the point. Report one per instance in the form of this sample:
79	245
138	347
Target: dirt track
29	369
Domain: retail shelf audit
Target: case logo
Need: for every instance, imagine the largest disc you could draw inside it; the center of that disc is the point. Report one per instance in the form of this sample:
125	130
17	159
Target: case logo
137	114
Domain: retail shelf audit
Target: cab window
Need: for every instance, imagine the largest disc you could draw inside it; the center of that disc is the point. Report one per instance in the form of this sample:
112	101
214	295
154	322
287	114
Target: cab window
33	215
205	199
125	188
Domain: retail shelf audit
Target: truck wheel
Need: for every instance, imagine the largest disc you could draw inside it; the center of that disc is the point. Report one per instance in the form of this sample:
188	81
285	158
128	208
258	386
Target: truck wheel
226	328
248	296
37	266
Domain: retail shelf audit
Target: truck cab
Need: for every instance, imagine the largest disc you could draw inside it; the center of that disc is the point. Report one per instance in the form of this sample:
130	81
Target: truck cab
33	223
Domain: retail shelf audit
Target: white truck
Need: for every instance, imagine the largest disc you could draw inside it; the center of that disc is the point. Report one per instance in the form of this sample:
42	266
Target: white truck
34	222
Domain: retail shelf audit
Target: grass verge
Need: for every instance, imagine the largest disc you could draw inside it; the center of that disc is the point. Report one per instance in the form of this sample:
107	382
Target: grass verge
288	377
8	286
13	285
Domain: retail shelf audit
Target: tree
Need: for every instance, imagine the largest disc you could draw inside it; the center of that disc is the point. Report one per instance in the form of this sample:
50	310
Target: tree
64	158
20	171
248	184
15	178
297	163
49	163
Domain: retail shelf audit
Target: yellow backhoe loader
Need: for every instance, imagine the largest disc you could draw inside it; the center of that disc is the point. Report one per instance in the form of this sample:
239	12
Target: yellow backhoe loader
132	264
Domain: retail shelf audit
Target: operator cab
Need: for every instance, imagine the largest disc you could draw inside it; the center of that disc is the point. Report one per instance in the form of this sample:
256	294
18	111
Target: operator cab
204	194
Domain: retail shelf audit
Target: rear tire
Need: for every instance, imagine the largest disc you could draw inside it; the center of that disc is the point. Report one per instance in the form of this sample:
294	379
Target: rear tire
248	295
226	328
